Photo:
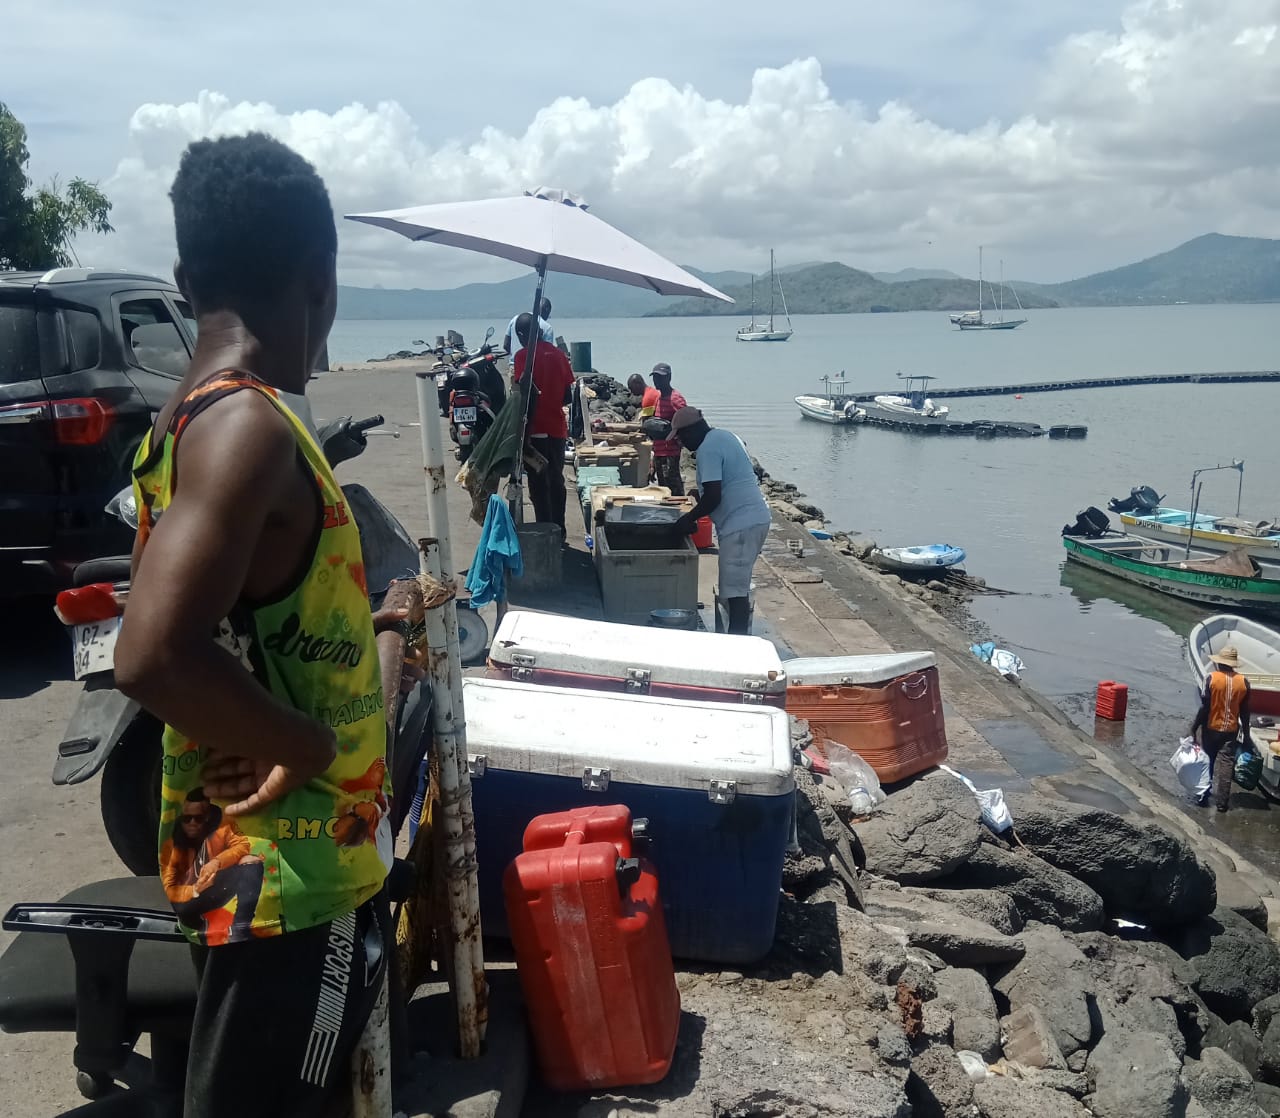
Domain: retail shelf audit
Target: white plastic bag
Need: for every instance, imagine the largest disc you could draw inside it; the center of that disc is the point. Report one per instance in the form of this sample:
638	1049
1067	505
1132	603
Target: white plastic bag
856	777
1191	763
995	812
975	1067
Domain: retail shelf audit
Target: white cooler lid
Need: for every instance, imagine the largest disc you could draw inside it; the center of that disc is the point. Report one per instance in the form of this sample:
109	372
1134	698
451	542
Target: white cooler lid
664	743
671	656
850	670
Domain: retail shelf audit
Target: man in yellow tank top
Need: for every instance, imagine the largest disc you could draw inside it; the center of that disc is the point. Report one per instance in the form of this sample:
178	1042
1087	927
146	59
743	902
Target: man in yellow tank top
248	632
1223	714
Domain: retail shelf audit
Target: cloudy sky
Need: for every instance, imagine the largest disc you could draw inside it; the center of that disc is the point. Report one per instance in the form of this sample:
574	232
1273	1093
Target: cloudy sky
1069	137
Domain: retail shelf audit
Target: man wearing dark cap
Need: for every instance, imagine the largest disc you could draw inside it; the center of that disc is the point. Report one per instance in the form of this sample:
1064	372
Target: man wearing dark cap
548	429
666	452
729	493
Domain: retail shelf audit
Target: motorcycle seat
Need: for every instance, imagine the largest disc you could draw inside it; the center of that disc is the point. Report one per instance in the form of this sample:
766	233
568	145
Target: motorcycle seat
38	971
110	568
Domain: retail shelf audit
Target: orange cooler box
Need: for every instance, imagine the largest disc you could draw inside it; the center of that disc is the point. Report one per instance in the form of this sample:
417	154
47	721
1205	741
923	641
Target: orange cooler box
886	708
591	947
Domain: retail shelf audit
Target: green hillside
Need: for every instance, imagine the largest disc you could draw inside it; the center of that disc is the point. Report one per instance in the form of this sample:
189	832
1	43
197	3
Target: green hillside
838	289
1210	269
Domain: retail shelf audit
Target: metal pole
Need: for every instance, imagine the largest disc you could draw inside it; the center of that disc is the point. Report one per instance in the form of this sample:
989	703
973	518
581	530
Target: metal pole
446	660
1239	489
371	1060
515	491
469	986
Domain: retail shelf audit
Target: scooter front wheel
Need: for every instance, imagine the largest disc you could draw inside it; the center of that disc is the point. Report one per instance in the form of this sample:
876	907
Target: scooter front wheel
129	796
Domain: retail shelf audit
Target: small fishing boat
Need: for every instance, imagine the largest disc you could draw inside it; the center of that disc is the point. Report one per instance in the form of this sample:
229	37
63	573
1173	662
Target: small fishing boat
1233	580
913	408
833	406
917	560
1259	651
1143	515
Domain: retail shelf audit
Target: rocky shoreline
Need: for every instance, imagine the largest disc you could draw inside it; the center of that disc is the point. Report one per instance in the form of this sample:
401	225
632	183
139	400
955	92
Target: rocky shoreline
1083	963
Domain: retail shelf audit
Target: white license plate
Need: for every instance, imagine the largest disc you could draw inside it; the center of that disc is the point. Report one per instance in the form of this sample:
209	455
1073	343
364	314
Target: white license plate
93	646
464	415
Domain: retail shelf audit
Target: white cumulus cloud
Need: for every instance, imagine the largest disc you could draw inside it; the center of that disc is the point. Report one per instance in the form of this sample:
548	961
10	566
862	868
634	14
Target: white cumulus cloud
1136	139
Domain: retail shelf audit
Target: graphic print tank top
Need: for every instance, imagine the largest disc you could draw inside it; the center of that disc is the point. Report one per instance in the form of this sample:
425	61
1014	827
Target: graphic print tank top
323	849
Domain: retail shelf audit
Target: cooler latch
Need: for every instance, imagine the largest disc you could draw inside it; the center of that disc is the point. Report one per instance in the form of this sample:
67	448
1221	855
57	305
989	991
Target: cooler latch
477	763
595	780
722	791
522	675
638	680
755	700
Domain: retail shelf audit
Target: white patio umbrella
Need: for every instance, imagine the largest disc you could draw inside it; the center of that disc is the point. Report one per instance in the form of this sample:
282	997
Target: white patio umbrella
549	231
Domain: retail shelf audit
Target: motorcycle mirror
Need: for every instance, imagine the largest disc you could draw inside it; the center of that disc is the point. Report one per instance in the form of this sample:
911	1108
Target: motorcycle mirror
488	334
124	508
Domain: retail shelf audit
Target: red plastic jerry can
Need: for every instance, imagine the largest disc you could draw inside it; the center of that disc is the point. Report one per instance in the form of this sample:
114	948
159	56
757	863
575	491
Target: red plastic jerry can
591	947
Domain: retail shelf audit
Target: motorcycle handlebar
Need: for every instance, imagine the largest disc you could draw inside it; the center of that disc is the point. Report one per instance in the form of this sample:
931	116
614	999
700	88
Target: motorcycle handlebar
363	425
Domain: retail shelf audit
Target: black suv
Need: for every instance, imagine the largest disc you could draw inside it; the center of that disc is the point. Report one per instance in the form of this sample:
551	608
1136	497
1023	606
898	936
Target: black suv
87	359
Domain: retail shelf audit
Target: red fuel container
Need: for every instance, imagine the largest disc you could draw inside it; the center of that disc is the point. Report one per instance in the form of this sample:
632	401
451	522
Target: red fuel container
702	538
591	948
1113	700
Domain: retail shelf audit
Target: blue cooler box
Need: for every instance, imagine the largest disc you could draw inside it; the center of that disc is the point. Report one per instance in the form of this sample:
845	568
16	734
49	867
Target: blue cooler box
714	781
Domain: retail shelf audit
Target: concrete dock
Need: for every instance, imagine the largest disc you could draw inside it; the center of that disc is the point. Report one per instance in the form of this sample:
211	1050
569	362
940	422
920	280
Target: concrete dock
817	603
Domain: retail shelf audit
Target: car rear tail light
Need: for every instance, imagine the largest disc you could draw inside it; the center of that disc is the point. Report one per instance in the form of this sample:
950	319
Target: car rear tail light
81	421
85	604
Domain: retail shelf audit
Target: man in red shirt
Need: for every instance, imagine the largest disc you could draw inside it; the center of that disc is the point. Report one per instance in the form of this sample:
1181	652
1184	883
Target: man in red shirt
666	452
548	430
647	395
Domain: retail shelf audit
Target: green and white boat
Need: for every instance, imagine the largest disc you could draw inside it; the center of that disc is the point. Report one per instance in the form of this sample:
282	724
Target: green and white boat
1232	581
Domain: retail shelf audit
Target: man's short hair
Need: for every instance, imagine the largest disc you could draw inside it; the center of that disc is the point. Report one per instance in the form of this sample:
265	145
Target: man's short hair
545	308
249	213
523	324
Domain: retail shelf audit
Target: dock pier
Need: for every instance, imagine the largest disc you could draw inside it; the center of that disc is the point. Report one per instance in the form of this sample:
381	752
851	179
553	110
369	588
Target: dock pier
1088	382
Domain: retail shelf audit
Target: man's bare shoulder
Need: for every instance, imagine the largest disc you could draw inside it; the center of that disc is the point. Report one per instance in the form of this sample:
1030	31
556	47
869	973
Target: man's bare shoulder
242	438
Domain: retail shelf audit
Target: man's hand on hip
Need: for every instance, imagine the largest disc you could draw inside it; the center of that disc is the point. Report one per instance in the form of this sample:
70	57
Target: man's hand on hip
252	783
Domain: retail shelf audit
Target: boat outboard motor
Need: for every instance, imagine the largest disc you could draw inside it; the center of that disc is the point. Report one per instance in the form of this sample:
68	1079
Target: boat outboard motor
1142	498
1090	523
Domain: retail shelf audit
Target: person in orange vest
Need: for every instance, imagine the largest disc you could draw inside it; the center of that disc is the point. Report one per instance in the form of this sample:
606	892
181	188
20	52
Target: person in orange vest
1224	712
647	395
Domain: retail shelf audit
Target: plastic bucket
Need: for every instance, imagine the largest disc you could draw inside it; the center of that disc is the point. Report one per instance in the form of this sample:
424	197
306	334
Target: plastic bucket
673	618
580	356
540	550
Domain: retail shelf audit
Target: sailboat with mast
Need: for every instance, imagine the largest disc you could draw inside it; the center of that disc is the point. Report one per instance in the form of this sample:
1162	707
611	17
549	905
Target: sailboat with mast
761	332
975	320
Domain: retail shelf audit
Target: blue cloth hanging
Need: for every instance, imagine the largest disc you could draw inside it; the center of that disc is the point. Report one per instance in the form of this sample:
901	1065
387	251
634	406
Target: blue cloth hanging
497	553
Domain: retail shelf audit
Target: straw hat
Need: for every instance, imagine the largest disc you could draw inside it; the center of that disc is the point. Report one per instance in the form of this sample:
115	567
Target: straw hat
1228	657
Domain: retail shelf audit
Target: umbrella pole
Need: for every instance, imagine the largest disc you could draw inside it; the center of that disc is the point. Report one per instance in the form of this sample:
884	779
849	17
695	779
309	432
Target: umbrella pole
515	491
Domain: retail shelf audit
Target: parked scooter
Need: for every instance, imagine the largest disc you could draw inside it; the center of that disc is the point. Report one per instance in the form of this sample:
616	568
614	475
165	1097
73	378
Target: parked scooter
470	412
112	734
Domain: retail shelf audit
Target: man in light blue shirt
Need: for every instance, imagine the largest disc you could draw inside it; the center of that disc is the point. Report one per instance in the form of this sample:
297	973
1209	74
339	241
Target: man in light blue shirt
511	340
728	492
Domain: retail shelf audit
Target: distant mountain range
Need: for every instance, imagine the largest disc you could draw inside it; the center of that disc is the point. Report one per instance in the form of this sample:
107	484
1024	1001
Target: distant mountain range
1209	269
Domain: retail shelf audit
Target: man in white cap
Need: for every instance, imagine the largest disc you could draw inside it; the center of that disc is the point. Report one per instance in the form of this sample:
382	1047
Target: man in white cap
728	492
1224	712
